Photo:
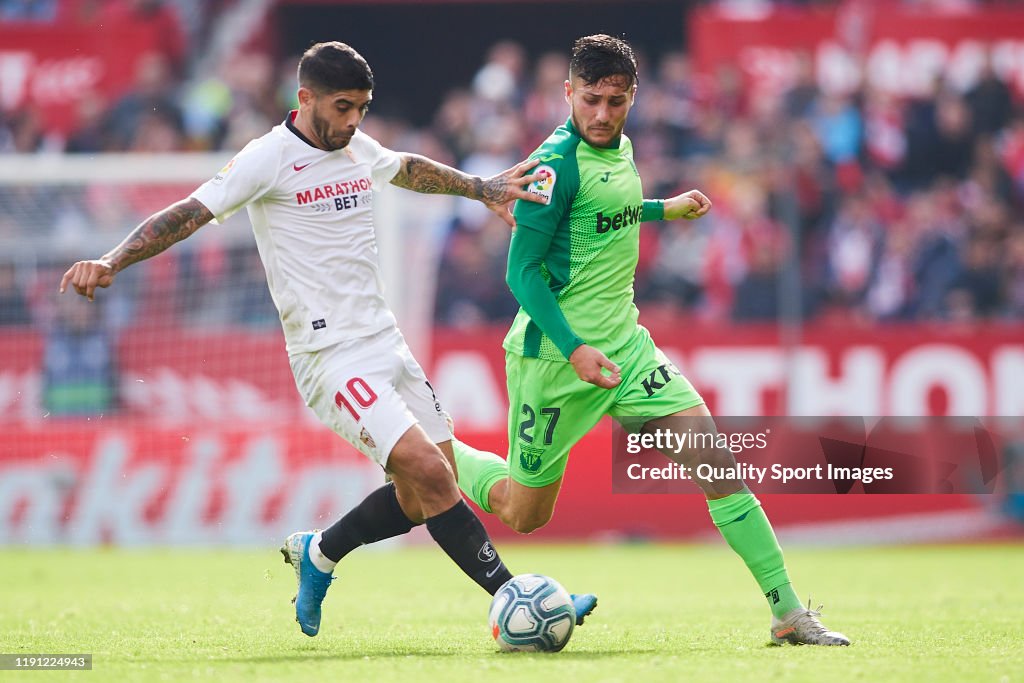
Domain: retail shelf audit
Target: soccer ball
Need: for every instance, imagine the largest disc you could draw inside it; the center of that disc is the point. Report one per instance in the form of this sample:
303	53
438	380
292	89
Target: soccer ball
532	613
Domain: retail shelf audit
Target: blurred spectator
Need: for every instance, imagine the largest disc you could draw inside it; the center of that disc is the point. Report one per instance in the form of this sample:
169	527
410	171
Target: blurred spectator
21	132
499	82
254	103
802	95
922	139
13	303
990	101
495	149
838	125
152	102
78	362
156	134
955	144
728	94
454	123
885	140
251	304
206	107
676	276
162	16
471	286
239	102
676	101
936	263
989	181
757	294
976	292
1014	287
855	250
28	10
888	296
545	101
91	134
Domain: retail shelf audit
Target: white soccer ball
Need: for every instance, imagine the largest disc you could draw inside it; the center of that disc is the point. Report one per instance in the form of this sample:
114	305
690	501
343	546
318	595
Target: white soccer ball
532	613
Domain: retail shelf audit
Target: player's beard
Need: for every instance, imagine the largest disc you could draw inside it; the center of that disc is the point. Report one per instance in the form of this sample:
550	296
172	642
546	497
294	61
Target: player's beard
323	132
609	132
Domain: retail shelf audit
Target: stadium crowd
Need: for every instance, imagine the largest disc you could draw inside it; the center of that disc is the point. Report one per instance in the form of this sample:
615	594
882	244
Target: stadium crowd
888	208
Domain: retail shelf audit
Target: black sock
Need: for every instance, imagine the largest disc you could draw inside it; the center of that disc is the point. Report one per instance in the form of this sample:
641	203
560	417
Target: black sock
460	534
379	516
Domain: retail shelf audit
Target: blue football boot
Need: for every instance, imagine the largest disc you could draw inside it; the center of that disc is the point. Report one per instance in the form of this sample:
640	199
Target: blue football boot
584	605
313	583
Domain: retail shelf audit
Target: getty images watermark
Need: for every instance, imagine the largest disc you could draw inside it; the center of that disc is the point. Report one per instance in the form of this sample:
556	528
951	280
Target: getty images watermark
820	454
673	444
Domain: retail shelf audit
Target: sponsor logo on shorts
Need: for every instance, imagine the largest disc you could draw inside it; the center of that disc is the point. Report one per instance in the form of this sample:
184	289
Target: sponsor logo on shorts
658	378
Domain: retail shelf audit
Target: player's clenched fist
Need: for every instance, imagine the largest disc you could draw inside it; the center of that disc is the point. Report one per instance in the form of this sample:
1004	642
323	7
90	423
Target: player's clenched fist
689	205
86	276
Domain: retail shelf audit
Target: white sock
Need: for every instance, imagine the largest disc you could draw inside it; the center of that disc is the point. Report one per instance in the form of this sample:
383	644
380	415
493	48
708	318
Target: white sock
319	560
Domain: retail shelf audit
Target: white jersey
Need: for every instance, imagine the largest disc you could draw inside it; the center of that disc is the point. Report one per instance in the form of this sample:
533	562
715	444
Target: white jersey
312	214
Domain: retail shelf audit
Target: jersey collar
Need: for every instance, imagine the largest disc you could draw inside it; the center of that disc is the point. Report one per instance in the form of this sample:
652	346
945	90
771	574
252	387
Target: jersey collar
289	122
616	143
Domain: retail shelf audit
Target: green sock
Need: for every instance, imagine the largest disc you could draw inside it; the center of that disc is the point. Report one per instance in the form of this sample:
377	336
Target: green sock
479	471
742	522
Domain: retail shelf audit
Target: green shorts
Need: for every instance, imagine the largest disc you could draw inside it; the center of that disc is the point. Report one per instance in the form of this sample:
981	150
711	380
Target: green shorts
550	408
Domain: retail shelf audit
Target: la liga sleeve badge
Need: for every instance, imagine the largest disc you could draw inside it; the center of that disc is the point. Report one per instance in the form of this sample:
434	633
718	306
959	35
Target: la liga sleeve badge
545	187
222	173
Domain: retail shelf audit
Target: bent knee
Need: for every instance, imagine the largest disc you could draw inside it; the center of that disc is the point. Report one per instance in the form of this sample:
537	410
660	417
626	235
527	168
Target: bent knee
434	468
425	470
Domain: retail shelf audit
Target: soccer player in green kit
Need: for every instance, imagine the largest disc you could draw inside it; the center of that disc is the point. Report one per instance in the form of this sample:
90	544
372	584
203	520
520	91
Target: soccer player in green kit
575	351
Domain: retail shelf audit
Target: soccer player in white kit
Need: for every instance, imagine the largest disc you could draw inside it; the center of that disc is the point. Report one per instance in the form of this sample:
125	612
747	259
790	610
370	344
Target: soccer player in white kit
308	187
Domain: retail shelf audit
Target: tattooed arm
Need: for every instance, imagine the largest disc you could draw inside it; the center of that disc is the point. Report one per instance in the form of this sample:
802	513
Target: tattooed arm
153	235
421	174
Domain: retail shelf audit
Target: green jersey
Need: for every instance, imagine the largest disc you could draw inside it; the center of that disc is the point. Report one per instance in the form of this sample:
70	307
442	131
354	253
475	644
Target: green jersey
592	218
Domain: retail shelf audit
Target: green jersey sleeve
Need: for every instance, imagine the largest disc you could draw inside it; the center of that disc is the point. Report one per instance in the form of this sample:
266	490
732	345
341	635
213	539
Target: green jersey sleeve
526	254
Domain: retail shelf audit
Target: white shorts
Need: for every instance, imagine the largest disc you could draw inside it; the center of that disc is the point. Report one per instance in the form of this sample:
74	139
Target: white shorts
370	392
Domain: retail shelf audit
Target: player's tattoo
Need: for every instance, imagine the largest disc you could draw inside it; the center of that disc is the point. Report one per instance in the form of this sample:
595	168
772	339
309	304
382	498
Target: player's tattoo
421	174
159	231
495	191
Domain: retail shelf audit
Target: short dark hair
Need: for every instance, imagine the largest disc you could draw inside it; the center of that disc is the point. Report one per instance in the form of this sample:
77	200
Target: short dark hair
595	58
330	67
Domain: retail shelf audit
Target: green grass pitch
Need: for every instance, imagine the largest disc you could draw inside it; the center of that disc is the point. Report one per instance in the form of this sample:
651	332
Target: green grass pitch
666	613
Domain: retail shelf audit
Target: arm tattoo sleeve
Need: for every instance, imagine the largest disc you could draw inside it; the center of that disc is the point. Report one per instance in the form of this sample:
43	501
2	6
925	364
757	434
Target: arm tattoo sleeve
421	174
158	232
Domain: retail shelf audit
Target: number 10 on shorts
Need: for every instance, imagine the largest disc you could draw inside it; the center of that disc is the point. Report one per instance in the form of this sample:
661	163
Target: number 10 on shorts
359	392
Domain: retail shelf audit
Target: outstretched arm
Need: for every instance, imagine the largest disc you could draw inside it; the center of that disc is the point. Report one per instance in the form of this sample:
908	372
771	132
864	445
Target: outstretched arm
421	174
152	236
689	205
